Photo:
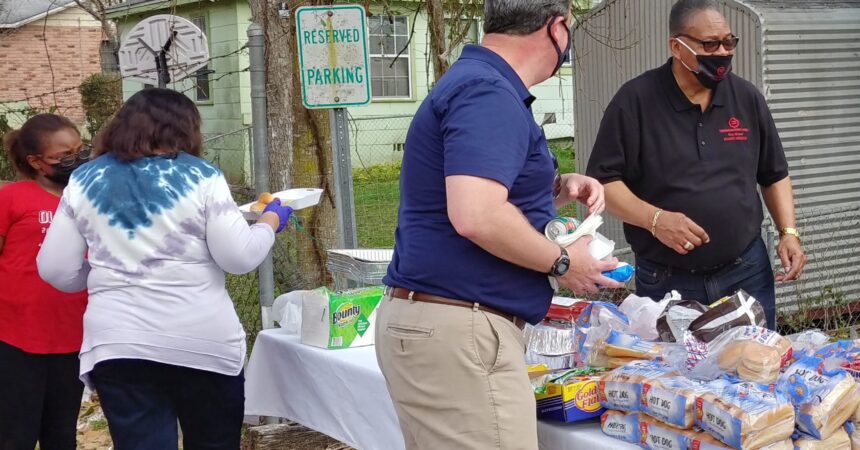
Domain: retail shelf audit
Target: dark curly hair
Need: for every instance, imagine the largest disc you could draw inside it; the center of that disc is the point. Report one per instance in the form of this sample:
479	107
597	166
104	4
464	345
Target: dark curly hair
153	121
29	140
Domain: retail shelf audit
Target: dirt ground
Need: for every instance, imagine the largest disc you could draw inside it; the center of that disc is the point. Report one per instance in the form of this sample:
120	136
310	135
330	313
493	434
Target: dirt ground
93	433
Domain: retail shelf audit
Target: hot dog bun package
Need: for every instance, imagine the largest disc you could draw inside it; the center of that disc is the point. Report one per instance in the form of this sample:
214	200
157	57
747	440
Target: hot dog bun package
853	434
704	441
655	435
751	353
672	400
621	389
623	425
839	440
745	415
823	401
730	312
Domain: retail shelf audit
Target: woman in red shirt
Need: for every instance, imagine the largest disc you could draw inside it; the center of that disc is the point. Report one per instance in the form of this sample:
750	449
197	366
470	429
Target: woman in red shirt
40	327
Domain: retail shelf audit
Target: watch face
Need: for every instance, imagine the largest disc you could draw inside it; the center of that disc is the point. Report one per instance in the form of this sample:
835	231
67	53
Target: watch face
563	265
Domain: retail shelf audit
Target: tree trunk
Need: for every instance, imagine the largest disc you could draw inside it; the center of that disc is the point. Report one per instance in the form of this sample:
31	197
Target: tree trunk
299	150
438	50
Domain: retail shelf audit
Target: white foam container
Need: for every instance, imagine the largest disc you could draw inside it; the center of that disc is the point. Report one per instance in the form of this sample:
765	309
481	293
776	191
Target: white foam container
299	198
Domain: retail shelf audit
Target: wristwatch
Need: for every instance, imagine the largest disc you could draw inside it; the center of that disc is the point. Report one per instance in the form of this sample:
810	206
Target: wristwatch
791	231
561	265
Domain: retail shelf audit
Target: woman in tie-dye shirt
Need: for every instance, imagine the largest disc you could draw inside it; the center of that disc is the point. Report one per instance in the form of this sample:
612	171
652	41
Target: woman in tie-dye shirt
150	228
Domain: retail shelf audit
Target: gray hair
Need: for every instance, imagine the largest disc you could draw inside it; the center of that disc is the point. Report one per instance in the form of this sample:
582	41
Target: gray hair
683	10
521	17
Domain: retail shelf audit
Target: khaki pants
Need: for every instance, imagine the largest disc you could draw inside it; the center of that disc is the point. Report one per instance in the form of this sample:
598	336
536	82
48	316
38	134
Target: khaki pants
457	376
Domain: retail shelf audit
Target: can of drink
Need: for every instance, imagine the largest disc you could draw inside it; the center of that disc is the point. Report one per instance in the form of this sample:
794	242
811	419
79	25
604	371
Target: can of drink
560	226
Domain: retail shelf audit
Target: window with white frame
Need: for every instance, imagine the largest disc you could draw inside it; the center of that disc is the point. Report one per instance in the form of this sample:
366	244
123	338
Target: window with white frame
390	59
201	77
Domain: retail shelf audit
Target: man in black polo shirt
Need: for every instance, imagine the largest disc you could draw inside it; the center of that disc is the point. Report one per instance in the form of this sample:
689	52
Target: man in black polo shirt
681	150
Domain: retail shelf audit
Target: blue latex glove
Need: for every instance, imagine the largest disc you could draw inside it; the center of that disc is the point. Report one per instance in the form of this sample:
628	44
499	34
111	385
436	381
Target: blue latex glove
283	212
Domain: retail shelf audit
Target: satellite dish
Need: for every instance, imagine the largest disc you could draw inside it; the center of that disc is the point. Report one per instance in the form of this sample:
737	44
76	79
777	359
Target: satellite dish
166	40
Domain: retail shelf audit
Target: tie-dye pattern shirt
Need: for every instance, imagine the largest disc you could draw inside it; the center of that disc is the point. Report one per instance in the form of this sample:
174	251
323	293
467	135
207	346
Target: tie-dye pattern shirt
158	234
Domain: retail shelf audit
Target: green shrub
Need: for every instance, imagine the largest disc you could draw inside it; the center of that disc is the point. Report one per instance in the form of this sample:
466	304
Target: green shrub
101	98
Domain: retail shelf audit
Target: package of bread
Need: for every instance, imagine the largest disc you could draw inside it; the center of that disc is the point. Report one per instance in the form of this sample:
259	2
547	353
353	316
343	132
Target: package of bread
823	401
751	361
745	415
704	441
624	345
672	400
623	425
730	312
654	435
839	440
736	352
853	434
676	319
621	389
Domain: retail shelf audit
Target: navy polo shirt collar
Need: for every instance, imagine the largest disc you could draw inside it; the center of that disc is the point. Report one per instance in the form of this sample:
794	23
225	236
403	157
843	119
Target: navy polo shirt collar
483	54
677	97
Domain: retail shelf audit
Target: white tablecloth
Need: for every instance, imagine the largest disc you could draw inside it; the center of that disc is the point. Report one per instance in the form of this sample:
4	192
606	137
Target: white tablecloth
342	393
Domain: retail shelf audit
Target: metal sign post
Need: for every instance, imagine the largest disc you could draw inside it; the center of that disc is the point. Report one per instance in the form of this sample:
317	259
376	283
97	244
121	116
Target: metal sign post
343	178
333	62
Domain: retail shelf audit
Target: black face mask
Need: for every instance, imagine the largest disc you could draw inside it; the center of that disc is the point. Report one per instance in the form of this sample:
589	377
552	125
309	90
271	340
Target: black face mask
563	56
61	174
712	68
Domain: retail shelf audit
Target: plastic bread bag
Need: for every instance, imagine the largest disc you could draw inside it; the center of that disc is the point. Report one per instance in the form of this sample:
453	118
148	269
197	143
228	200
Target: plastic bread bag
727	313
589	346
745	415
622	425
845	352
704	441
624	345
621	388
655	435
822	402
676	318
806	343
672	400
839	440
549	338
643	313
598	314
752	353
853	434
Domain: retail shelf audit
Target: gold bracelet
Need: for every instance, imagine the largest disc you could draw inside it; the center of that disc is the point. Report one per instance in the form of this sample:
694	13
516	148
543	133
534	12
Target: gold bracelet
654	222
791	231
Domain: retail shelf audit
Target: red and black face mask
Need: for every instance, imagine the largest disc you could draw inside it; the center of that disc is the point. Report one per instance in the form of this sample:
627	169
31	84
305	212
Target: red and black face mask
712	68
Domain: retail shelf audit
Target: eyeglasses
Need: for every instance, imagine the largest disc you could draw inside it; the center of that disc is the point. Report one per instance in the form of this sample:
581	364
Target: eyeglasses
712	46
83	155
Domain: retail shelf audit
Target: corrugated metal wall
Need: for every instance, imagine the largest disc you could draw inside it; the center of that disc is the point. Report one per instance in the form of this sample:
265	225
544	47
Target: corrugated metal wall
812	84
624	38
805	57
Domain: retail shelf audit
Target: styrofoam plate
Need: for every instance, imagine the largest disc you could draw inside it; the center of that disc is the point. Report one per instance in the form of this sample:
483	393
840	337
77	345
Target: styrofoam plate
298	198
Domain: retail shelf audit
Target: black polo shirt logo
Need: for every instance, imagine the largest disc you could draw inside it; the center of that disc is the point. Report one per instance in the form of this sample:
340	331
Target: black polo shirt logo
736	132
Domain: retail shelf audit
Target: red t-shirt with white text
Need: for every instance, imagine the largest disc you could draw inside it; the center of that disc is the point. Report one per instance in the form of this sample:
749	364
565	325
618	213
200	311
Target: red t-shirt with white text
34	316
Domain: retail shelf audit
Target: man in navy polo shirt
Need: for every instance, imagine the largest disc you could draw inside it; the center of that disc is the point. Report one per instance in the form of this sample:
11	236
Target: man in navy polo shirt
471	264
682	150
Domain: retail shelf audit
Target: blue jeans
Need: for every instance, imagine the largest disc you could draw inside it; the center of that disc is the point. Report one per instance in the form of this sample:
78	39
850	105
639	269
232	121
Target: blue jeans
751	272
142	401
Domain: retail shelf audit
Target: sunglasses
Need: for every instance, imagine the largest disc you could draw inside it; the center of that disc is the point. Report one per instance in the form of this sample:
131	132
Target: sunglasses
70	160
712	46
